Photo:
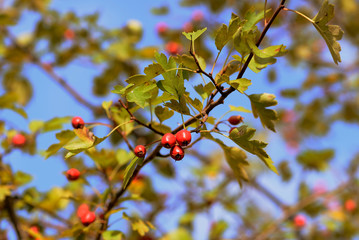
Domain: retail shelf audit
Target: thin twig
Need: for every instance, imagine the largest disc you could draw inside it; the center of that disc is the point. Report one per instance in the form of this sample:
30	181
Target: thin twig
138	121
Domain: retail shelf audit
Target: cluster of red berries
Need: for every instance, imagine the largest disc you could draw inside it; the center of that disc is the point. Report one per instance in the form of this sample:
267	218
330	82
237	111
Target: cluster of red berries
86	216
182	138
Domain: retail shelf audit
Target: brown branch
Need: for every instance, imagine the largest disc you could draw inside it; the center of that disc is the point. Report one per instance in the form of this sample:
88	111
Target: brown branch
138	121
267	193
50	72
297	207
200	70
9	206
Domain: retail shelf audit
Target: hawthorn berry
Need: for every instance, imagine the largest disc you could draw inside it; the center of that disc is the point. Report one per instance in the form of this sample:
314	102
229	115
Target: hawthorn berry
232	128
183	137
18	140
197	16
177	153
88	218
161	28
77	122
350	205
69	34
72	174
33	230
140	151
234	120
173	48
82	210
300	221
187	27
168	140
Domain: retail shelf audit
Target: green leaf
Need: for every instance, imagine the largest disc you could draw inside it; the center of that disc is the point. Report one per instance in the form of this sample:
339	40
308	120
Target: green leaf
172	83
239	109
113	235
317	160
55	124
153	70
64	137
330	33
161	127
259	103
129	171
221	37
180	107
21	178
242	137
241	84
196	103
163	113
123	156
142	93
204	91
252	18
36	125
178	234
4	192
138	225
235	158
106	105
217	230
194	35
269	52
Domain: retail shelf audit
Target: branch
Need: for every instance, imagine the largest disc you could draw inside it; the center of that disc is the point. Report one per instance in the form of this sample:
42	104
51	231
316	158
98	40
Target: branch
297	207
200	70
9	206
138	121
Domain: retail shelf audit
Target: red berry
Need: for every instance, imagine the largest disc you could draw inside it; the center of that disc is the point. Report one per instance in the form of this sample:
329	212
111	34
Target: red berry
234	120
77	122
350	205
197	16
173	48
18	140
69	34
140	151
177	153
168	140
188	27
230	130
82	210
300	221
72	174
183	137
161	27
33	230
88	218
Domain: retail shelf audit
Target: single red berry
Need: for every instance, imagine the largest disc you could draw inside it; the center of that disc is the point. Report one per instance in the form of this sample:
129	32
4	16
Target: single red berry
350	205
197	16
140	151
82	210
177	153
168	140
77	122
72	174
33	230
173	48
300	221
183	137
88	218
234	120
188	27
18	140
161	28
69	34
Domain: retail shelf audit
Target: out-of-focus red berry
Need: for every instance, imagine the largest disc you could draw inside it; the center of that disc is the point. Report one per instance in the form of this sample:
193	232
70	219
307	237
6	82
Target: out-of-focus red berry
82	210
300	221
350	205
161	28
173	48
18	140
69	34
